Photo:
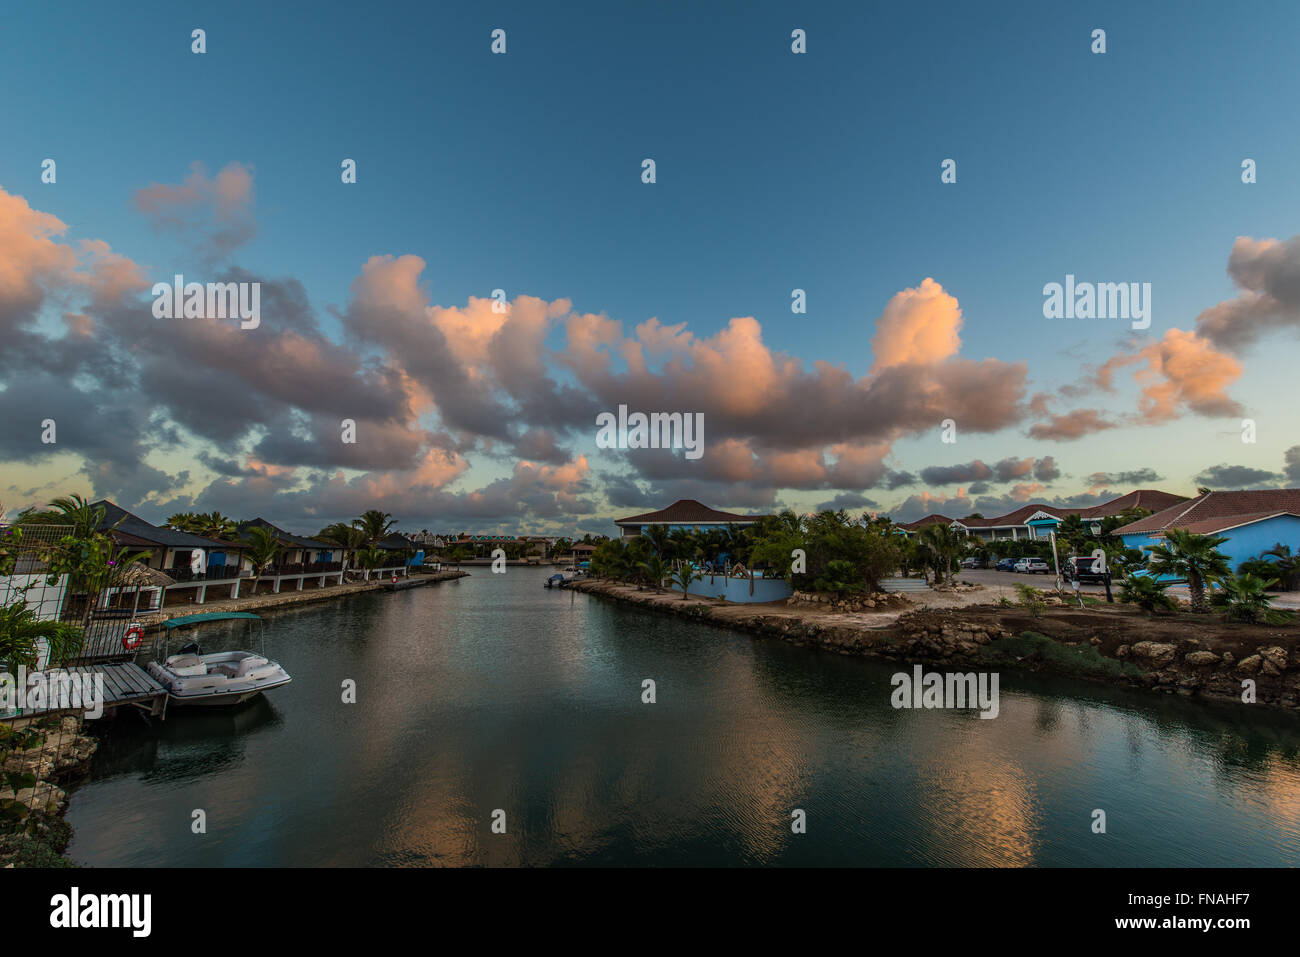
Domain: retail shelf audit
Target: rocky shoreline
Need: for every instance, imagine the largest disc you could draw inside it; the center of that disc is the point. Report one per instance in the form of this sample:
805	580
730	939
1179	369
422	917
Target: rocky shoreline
61	753
1113	644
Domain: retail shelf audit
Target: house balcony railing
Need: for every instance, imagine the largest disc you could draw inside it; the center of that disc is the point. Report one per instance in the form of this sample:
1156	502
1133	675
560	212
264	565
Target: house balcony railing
212	573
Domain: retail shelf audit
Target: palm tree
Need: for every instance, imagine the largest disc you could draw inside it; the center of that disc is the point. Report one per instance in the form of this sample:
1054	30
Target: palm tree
1245	598
940	543
659	539
683	576
370	558
214	525
84	518
182	522
1147	593
1191	556
375	524
262	550
655	571
685	543
19	631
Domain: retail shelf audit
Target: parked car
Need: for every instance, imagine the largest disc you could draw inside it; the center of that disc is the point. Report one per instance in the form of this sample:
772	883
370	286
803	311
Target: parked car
1005	565
1032	565
1080	567
974	563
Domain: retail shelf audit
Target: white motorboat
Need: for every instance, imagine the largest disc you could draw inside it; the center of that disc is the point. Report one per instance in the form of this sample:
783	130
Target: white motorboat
219	678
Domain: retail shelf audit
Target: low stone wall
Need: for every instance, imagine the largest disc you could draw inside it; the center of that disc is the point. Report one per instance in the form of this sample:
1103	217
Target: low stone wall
850	603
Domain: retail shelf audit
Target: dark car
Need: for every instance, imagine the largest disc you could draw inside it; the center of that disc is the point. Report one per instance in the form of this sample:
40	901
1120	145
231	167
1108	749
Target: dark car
1005	564
1079	568
974	563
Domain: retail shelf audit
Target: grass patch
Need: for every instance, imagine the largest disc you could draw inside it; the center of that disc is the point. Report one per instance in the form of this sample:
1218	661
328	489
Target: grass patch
1029	648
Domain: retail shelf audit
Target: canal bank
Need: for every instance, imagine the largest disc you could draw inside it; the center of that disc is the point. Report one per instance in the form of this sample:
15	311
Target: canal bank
273	600
1113	644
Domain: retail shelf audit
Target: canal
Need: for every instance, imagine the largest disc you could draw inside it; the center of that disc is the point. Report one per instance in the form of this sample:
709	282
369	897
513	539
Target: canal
492	692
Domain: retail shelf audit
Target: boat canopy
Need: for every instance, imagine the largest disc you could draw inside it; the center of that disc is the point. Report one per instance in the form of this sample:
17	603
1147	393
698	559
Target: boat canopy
210	616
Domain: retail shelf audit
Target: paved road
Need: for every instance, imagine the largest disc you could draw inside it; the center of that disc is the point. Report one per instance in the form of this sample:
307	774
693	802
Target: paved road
1009	580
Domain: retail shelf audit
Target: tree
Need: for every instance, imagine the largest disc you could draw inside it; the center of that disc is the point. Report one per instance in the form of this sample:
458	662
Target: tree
370	558
942	544
19	631
375	524
347	537
655	571
659	539
1245	598
262	550
1147	593
683	576
74	510
1193	557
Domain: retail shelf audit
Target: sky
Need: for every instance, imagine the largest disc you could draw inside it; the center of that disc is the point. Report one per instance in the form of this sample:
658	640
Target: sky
523	172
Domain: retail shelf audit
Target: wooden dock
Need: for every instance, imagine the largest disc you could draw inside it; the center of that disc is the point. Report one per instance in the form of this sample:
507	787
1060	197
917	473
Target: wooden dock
125	684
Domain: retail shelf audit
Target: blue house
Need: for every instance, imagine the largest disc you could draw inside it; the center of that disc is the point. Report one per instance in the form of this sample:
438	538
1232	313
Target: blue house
1251	521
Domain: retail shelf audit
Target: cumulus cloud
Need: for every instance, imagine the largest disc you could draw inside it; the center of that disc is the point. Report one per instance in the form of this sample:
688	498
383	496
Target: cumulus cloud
1292	468
1267	271
1071	425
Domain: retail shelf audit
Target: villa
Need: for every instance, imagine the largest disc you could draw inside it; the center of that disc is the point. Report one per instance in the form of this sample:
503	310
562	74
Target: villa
1036	521
684	513
300	559
1251	521
172	553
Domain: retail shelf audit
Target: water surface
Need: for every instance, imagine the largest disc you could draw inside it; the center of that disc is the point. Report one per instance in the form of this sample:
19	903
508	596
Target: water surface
493	693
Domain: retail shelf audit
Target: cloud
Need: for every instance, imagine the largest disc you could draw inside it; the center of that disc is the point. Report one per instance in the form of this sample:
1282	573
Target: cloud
1070	425
214	214
1292	468
1267	271
1237	477
848	501
1143	476
918	325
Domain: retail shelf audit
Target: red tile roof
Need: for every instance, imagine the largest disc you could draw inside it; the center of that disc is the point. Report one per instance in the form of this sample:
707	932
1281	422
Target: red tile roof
1151	499
686	511
932	519
1219	510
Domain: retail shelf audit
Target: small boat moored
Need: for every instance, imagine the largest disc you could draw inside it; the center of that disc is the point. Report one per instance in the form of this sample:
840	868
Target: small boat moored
219	678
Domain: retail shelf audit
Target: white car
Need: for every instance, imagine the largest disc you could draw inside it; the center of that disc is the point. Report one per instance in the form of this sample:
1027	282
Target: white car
1031	565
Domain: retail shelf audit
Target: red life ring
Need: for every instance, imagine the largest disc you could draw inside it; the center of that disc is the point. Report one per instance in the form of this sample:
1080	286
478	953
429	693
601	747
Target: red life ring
131	640
394	579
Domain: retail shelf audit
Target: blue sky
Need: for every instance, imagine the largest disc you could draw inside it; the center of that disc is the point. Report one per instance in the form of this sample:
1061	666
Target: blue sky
774	171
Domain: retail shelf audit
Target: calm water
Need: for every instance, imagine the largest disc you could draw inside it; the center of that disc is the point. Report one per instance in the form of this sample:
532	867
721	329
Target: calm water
492	692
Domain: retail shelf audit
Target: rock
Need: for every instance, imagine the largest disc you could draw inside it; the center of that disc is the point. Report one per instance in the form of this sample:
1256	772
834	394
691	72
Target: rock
1202	659
1229	657
1270	669
1122	651
1277	656
1094	641
1157	652
1249	665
